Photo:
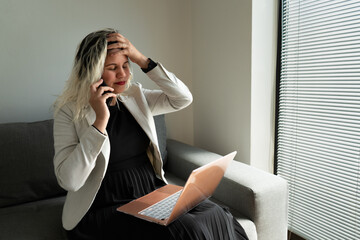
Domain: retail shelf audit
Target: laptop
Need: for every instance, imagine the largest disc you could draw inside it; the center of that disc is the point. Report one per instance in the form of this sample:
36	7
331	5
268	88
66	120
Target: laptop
166	204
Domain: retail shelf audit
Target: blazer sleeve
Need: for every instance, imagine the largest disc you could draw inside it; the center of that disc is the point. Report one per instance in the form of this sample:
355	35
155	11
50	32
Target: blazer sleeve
173	94
75	156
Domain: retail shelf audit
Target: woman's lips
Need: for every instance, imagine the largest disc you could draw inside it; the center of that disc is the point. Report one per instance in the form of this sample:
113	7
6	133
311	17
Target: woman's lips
121	83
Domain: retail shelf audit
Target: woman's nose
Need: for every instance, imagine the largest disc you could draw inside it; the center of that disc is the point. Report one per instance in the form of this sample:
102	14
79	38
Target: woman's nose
120	73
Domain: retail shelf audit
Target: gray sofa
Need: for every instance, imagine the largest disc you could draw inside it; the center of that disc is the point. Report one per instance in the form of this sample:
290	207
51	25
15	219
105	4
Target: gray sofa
31	200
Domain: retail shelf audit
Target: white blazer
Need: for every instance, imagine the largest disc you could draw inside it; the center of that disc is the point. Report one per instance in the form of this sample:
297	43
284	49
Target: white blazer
82	153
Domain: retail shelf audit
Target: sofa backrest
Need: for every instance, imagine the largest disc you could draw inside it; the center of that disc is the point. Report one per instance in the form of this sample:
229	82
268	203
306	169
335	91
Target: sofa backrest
161	134
26	162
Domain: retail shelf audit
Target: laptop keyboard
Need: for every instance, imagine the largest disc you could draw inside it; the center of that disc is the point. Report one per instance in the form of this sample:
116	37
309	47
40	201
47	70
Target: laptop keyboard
162	210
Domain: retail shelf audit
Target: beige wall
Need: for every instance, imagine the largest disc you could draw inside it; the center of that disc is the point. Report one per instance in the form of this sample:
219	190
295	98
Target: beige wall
234	62
222	75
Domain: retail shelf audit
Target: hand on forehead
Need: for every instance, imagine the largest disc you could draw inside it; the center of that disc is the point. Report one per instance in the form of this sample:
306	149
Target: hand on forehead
114	50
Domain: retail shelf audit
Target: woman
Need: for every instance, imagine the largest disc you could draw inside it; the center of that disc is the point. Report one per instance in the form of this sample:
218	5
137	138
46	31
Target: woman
106	156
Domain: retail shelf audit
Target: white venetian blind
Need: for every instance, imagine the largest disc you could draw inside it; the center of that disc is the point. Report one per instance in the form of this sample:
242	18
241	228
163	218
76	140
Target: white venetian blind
319	117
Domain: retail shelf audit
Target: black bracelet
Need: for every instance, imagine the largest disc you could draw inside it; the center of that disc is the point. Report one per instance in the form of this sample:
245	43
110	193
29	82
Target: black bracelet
150	66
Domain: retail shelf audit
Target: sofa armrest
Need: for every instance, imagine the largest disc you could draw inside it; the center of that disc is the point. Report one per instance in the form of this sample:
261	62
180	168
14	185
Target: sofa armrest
256	194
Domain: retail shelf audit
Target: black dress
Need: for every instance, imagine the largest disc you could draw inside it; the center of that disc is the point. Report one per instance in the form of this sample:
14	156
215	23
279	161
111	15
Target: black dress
129	176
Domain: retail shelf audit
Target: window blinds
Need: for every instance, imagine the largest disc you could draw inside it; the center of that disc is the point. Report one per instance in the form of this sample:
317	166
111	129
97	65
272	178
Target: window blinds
318	135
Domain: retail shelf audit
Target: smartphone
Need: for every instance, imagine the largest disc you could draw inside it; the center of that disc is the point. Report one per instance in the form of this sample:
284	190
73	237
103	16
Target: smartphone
109	100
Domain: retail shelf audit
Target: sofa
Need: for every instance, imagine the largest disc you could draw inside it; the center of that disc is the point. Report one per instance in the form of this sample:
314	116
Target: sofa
31	201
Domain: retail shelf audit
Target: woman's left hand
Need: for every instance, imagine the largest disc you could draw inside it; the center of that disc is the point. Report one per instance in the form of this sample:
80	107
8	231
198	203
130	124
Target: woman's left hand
126	48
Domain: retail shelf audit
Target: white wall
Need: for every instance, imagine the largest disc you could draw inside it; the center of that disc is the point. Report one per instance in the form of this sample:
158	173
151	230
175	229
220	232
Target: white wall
222	75
263	83
39	38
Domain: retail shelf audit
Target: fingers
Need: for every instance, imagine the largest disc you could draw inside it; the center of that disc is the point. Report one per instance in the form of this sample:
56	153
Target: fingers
116	40
118	43
112	37
108	95
99	88
96	85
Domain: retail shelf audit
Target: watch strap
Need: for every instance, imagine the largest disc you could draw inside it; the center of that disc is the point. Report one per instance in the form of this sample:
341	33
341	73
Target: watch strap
150	66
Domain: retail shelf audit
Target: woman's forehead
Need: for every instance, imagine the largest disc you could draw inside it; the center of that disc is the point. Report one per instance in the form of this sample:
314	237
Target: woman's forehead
116	56
114	50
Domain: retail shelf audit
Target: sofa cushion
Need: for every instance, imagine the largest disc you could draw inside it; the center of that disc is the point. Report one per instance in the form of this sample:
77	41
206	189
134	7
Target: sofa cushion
26	166
33	221
161	134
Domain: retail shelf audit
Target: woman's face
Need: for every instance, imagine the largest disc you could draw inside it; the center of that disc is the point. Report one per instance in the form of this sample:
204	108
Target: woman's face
116	71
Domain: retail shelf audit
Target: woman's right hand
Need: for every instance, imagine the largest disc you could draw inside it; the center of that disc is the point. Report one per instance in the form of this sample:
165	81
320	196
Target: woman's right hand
98	103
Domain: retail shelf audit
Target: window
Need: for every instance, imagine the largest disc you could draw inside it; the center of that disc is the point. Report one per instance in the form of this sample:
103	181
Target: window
318	133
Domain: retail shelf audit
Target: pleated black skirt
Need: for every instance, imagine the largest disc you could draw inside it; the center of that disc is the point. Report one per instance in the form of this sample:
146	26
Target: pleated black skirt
133	179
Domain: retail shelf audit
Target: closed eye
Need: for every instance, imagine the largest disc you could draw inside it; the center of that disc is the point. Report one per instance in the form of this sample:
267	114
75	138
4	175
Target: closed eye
111	67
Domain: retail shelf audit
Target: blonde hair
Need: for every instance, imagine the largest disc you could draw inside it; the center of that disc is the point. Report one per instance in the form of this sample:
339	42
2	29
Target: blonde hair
88	68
